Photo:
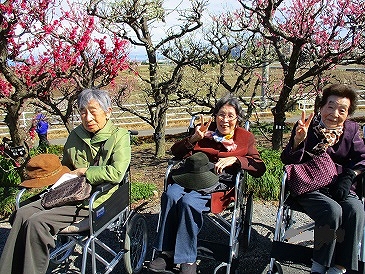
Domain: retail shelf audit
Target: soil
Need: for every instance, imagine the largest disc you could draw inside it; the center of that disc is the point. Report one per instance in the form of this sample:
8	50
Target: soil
147	168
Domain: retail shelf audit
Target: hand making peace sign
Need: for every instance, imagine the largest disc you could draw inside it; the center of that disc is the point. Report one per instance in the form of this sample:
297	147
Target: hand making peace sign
200	130
302	129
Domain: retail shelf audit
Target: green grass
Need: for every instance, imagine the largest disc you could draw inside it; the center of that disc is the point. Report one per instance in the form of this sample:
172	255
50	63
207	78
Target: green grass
141	191
268	186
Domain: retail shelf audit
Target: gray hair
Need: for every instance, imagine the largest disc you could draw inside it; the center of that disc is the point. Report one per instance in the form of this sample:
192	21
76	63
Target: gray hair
101	96
231	101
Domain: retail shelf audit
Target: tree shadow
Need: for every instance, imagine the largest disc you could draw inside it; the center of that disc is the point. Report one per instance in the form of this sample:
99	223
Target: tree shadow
253	260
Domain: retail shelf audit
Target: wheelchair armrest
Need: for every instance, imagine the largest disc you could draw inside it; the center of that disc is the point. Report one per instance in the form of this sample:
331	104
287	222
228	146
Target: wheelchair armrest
104	187
99	190
174	161
18	198
171	163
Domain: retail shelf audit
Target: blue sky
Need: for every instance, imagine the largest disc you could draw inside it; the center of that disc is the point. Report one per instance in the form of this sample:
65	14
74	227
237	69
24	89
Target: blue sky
214	7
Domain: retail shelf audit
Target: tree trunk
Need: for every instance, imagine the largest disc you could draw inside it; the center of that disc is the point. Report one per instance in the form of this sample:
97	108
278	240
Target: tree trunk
277	135
159	135
279	117
68	123
13	123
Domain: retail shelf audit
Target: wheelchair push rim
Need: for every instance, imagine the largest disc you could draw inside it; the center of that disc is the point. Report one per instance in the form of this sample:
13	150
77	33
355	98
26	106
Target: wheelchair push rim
63	249
135	244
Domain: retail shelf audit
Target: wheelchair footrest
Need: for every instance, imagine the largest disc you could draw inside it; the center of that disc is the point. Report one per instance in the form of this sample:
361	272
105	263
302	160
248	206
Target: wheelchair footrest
214	250
287	252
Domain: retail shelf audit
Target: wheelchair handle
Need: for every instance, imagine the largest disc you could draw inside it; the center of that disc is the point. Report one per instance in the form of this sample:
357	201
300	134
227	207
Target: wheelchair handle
192	121
133	132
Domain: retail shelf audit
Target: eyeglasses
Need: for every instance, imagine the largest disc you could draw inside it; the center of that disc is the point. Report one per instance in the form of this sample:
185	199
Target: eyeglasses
222	117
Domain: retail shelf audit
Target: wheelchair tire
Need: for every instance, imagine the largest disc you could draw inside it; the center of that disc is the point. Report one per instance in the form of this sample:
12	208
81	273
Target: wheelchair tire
247	221
135	244
58	257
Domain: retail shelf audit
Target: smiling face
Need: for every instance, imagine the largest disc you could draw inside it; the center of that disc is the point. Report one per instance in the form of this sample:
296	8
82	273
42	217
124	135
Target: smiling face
335	111
226	119
93	117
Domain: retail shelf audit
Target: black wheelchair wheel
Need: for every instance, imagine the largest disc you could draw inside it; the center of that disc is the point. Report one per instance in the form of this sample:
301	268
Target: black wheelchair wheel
135	244
247	221
63	249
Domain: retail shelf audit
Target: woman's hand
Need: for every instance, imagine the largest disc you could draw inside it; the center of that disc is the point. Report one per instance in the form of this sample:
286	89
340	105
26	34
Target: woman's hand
200	130
223	163
302	129
79	171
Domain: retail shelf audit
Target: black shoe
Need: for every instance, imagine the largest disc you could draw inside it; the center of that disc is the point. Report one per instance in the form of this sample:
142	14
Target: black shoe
188	269
162	264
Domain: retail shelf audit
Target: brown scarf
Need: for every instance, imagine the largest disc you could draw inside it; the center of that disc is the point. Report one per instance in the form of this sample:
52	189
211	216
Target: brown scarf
327	136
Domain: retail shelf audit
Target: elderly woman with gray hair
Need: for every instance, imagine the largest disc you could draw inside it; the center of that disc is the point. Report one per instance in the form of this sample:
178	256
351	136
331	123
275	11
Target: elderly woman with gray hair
229	147
33	227
337	211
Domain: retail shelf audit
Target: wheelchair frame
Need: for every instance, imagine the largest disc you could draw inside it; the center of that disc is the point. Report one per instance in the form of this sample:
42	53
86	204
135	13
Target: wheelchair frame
234	221
283	241
116	215
294	244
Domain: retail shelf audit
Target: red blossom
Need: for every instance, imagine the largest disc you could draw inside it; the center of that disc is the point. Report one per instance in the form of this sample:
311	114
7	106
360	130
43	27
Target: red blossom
45	43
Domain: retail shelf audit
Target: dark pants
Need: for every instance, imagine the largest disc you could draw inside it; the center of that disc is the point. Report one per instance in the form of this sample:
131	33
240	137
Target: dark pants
338	228
43	140
180	223
27	247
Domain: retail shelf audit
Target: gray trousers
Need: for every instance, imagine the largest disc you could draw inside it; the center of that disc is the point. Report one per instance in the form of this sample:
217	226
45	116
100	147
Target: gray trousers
338	228
33	227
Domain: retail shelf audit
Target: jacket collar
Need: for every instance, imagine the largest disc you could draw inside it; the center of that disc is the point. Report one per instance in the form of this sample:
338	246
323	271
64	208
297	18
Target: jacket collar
100	136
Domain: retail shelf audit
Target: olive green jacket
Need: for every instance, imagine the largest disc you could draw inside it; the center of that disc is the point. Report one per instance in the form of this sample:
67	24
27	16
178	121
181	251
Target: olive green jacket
81	149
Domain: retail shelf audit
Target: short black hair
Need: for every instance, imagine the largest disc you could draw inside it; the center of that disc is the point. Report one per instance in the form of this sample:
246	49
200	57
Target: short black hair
340	90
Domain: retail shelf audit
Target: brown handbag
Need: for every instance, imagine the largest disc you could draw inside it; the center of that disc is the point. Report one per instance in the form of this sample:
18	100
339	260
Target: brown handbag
69	192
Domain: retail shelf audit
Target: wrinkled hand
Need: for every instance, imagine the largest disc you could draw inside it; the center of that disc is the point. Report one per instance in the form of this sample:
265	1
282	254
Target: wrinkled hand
341	188
201	129
79	171
302	128
223	163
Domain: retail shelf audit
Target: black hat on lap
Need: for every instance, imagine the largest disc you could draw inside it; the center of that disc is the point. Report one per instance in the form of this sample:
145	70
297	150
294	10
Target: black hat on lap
195	173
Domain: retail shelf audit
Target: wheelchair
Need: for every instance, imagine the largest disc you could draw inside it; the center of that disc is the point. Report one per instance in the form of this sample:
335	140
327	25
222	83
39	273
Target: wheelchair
115	214
230	214
293	243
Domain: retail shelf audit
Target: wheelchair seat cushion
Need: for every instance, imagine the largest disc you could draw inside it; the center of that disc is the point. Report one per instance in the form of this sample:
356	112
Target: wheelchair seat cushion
76	227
